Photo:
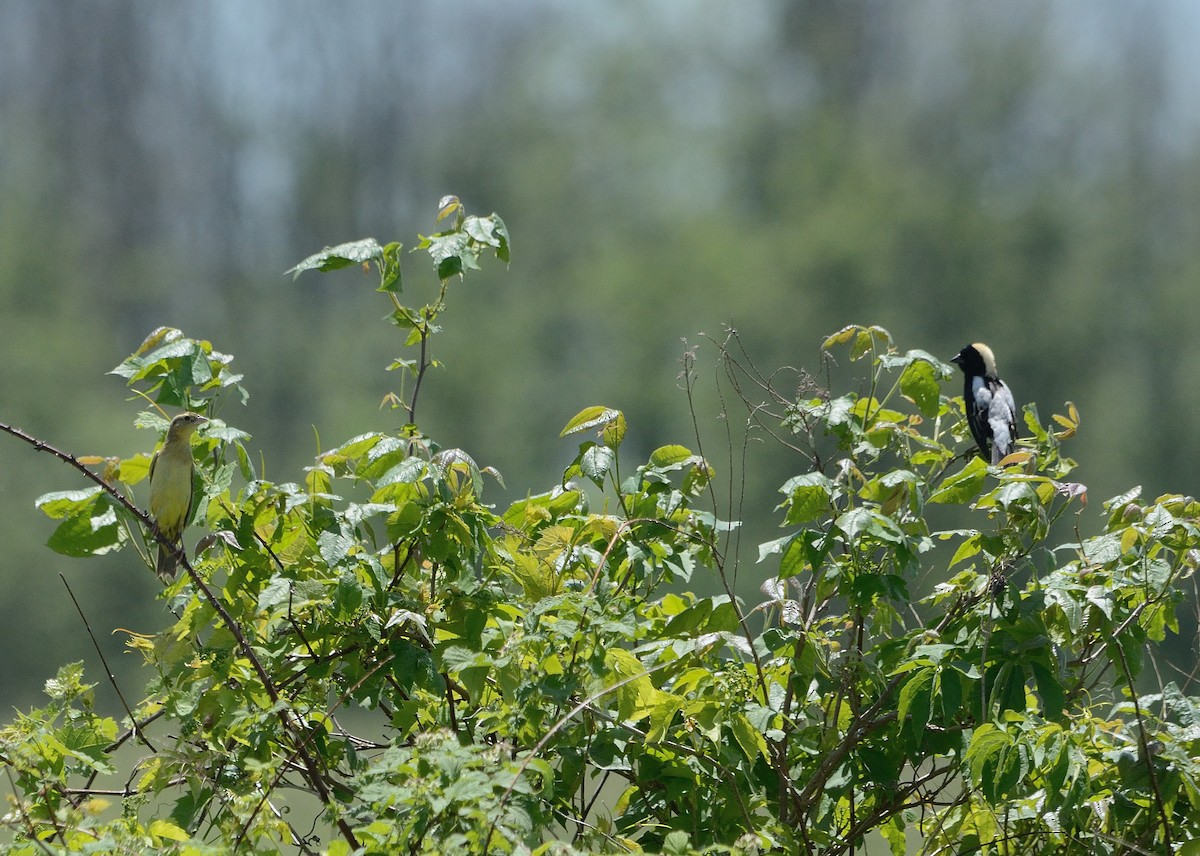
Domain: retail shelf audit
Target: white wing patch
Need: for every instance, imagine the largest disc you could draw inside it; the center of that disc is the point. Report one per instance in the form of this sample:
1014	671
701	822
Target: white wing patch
994	417
1002	419
982	393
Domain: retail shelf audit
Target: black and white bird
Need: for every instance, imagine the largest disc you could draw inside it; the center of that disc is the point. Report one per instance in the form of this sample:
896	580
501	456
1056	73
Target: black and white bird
991	410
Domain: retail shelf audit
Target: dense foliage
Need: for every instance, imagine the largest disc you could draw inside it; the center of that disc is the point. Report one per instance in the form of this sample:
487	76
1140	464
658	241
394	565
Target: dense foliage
373	659
1022	173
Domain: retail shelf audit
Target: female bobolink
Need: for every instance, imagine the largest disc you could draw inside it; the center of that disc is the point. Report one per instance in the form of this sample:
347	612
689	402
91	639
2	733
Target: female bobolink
991	410
171	487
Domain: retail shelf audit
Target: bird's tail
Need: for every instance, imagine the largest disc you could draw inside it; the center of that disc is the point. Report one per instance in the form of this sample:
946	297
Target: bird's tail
166	563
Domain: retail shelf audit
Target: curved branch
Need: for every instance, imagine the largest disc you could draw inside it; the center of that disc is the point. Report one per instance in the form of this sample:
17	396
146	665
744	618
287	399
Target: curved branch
312	771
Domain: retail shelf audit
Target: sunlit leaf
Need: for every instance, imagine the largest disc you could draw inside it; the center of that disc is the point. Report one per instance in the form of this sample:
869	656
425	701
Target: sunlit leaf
920	383
588	418
964	486
343	255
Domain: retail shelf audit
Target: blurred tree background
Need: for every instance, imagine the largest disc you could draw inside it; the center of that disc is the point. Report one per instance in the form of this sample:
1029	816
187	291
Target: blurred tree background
1027	174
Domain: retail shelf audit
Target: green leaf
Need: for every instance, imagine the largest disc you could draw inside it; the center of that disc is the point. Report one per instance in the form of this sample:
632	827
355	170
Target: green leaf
596	462
62	503
985	748
180	372
676	843
90	526
920	383
390	274
590	417
450	251
863	339
88	535
1190	848
690	620
489	231
915	699
343	255
840	337
614	432
964	486
949	688
892	831
635	694
668	456
967	549
794	559
748	737
809	497
163	829
863	521
457	250
1053	696
661	716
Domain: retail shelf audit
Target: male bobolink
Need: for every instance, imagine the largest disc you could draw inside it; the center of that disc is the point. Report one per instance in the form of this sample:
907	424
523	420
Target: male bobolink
991	410
171	487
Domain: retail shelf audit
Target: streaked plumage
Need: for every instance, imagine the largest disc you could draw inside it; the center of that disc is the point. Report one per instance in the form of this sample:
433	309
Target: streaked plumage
171	472
991	409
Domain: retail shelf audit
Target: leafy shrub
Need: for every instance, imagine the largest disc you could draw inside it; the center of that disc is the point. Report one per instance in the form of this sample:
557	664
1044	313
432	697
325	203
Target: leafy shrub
376	656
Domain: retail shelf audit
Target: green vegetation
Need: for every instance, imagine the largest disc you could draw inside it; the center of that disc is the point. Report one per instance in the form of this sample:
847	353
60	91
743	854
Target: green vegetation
373	659
1025	174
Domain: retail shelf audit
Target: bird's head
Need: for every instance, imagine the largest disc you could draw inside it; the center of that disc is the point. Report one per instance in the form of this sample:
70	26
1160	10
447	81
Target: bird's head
184	424
976	359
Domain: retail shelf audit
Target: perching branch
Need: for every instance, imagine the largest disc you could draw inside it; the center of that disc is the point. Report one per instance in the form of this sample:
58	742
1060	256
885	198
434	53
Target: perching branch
312	772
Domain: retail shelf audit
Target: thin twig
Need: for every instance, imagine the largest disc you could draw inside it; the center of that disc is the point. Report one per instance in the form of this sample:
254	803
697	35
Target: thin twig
112	679
312	771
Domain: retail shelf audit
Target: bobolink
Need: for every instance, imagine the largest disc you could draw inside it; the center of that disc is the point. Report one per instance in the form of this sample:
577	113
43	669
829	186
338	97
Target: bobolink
991	410
171	487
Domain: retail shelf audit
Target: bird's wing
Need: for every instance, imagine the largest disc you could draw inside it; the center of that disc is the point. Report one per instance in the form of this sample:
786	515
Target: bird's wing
1002	419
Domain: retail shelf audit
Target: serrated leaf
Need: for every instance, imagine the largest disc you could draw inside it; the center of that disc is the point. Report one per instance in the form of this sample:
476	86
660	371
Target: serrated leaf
862	338
862	345
482	229
136	469
449	251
